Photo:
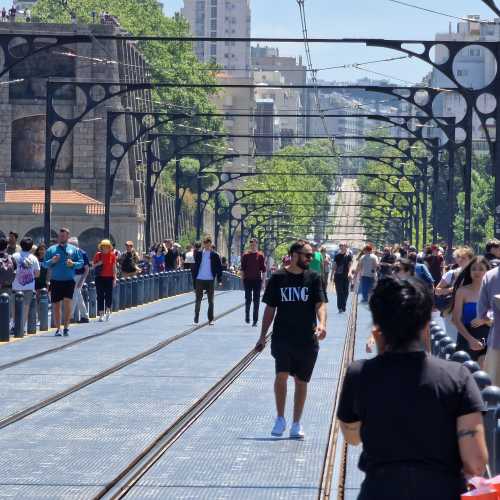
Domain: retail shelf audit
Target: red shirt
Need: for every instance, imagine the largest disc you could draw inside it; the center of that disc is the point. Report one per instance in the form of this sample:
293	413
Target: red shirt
108	263
252	264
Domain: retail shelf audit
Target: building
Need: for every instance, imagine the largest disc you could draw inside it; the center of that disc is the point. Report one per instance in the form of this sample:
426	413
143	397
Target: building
82	163
474	67
232	19
221	18
293	72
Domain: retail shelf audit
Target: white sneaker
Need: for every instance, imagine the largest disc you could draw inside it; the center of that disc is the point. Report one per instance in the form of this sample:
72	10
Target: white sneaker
279	427
296	431
211	323
108	314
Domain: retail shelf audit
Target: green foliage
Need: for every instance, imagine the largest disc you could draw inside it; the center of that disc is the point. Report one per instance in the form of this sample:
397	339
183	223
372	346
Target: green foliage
292	218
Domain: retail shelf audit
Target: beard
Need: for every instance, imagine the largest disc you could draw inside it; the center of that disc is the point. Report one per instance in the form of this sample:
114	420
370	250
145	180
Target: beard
303	265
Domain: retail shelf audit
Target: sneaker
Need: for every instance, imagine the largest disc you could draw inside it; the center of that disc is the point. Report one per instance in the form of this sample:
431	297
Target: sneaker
58	333
296	431
254	323
84	320
101	318
66	332
211	322
108	314
196	321
279	427
247	320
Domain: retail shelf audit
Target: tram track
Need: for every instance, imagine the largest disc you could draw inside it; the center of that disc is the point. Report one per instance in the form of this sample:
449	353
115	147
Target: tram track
30	410
107	331
331	454
136	469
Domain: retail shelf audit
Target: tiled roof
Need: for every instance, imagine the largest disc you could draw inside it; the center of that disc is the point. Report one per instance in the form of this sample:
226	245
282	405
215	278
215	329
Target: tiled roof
58	196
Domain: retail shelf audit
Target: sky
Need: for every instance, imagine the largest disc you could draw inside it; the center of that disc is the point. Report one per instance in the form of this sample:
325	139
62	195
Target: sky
356	19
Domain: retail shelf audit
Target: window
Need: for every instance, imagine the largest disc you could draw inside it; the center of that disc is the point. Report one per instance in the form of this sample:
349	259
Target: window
213	24
213	3
213	49
474	52
213	12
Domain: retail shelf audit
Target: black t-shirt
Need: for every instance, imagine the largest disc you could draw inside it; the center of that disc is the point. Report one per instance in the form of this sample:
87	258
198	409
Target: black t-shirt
408	405
343	261
295	296
389	260
171	259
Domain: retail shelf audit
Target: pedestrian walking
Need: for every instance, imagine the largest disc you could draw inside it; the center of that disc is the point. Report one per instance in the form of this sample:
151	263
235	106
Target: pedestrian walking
80	278
418	417
326	267
207	268
27	15
158	258
12	14
129	261
7	272
295	300
27	270
12	246
387	261
492	252
105	269
4	15
435	263
367	270
62	260
188	261
172	257
472	332
488	307
340	272
252	269
41	281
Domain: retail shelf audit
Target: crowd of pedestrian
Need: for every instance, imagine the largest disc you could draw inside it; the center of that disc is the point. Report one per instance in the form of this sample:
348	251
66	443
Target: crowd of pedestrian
63	268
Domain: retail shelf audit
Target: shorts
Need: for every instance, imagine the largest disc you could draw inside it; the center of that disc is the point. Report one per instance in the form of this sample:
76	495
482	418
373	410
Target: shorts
60	290
298	361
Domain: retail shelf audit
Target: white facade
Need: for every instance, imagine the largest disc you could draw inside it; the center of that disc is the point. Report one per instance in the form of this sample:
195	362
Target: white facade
221	18
474	67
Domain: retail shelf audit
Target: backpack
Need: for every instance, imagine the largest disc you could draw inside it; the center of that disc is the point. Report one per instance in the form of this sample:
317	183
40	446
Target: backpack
25	274
7	270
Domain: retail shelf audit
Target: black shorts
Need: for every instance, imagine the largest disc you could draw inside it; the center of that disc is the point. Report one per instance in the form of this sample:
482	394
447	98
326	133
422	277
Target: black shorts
297	361
60	290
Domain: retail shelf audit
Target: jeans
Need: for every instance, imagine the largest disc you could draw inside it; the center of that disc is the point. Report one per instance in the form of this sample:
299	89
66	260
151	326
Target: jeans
200	287
410	483
342	288
78	302
104	289
252	292
366	287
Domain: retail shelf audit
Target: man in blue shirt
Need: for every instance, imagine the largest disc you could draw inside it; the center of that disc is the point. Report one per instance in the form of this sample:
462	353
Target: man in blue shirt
207	267
63	260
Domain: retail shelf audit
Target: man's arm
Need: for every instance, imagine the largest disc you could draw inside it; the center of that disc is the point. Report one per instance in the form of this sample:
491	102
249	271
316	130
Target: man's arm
483	305
472	444
321	315
267	320
351	432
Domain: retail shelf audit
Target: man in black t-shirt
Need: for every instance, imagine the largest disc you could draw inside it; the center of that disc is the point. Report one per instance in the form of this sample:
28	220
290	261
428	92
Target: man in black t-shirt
296	296
171	257
418	417
341	266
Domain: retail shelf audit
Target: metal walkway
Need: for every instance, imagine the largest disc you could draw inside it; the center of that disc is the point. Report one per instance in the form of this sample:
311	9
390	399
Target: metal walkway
85	425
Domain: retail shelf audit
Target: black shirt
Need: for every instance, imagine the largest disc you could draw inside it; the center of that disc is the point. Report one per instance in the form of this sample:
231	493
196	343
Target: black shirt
343	261
295	296
171	259
389	260
408	405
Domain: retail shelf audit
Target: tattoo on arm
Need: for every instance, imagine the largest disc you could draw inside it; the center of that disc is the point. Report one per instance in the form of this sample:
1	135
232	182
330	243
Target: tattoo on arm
466	433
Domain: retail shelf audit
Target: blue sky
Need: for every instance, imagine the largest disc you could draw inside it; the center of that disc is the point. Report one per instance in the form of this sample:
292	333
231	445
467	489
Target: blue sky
353	19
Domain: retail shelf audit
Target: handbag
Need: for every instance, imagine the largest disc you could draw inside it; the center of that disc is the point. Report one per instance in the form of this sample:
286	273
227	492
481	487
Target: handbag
483	489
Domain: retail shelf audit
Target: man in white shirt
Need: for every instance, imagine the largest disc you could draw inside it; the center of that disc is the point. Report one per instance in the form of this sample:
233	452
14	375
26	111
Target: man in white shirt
207	268
27	269
367	269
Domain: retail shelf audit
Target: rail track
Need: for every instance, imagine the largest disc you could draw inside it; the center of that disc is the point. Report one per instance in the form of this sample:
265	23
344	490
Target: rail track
112	329
334	450
124	481
30	410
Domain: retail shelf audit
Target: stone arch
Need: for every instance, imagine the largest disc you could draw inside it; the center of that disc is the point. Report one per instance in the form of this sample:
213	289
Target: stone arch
37	234
90	238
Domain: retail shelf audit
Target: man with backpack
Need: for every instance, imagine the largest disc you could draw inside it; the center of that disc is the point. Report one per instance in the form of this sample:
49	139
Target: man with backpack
27	269
129	261
7	270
